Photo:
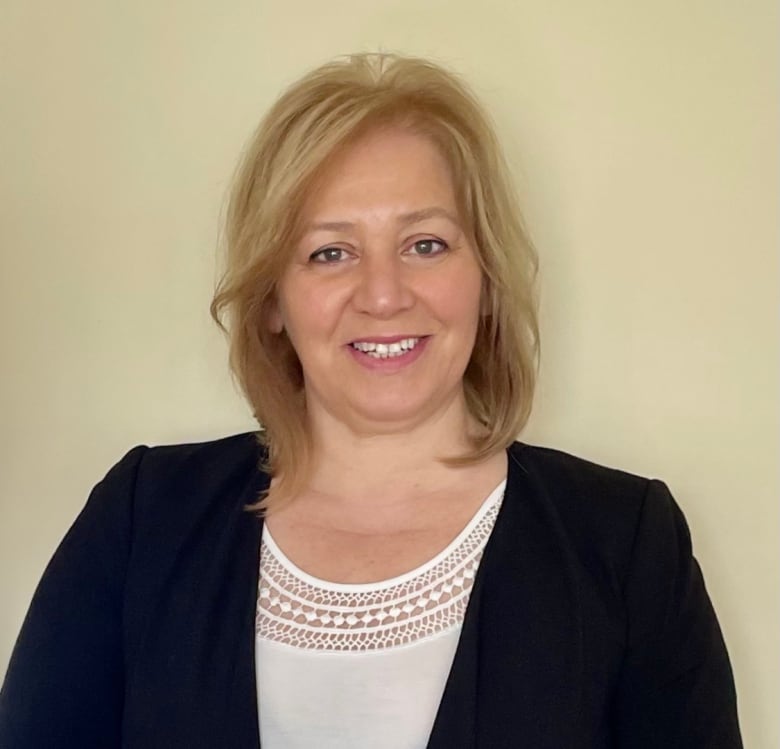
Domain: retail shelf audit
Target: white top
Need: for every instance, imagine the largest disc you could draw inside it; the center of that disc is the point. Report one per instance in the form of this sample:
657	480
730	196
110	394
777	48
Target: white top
344	666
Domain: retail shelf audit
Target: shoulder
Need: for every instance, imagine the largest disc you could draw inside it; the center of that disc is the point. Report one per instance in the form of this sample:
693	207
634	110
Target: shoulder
618	546
569	478
178	508
200	464
577	485
561	471
604	514
167	486
194	459
198	478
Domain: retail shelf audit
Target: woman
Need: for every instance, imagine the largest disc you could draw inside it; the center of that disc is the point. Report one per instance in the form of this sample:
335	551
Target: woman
407	575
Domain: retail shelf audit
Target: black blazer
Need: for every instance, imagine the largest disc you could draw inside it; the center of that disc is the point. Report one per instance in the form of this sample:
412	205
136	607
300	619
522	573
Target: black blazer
588	623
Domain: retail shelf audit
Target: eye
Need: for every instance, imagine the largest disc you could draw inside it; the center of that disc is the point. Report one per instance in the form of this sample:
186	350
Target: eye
428	247
328	255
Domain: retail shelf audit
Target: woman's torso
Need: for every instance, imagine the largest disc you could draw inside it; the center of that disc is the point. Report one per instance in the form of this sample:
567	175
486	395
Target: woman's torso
355	642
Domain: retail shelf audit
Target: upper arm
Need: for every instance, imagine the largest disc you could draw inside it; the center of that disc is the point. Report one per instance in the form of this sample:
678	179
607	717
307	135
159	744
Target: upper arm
676	686
64	686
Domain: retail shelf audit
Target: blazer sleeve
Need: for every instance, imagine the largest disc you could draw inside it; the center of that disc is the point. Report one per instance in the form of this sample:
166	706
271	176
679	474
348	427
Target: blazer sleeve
64	685
676	685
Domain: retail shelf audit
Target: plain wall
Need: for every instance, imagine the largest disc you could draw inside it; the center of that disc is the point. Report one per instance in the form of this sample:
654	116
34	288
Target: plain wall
643	137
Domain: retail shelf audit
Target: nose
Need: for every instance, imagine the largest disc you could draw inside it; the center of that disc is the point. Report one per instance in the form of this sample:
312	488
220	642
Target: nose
382	288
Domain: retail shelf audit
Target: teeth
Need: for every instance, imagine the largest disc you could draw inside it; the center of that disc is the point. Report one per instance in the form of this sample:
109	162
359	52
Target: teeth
386	350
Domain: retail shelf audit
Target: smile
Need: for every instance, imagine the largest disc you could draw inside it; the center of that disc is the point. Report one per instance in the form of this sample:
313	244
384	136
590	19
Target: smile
385	350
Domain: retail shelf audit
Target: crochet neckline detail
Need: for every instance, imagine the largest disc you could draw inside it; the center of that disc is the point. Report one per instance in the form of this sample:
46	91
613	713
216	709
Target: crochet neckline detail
297	609
317	582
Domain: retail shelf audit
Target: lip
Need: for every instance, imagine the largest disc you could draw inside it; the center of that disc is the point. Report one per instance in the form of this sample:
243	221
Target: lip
390	365
386	338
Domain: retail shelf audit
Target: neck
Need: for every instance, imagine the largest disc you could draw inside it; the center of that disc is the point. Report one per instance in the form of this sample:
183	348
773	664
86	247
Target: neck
403	459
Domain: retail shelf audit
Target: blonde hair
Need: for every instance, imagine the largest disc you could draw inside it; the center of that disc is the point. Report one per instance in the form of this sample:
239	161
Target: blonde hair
315	118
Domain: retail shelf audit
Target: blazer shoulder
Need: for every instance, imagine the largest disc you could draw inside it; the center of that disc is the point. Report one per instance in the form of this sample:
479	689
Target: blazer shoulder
229	452
195	476
569	475
600	509
627	547
577	470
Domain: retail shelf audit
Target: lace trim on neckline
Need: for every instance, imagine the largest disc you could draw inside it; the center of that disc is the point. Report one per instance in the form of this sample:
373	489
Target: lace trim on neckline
296	609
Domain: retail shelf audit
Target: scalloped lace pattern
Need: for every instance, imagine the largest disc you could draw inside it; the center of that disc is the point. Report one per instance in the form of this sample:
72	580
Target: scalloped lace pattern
314	615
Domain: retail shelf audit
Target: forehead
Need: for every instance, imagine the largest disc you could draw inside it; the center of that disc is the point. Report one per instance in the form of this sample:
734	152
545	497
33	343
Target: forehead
392	169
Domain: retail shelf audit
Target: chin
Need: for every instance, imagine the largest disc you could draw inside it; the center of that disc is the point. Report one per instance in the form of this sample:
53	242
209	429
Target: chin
388	420
392	416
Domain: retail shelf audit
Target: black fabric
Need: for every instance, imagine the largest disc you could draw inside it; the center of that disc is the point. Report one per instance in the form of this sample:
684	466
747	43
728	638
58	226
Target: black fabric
588	625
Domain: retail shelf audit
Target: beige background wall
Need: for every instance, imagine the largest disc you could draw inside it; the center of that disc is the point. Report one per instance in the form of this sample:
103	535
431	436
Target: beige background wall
644	138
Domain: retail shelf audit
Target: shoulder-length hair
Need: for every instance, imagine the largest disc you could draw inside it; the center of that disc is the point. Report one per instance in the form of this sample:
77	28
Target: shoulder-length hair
315	118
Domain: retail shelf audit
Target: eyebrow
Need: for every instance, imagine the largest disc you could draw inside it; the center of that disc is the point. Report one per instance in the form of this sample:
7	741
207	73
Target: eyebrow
404	219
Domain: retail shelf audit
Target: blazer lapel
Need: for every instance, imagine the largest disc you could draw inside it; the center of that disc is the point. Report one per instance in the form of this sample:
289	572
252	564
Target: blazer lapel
455	724
241	729
517	670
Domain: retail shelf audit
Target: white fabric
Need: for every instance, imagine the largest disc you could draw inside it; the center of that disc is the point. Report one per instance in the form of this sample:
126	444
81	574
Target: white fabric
346	666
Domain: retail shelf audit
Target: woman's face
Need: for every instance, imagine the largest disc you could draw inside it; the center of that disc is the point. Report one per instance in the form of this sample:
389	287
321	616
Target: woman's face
381	299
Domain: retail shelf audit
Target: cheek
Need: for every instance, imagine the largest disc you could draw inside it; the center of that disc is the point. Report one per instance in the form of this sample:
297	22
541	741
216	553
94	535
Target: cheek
459	297
308	310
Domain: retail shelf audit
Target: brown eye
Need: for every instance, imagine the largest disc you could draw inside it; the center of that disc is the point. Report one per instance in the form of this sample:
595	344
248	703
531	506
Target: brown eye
428	247
328	255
